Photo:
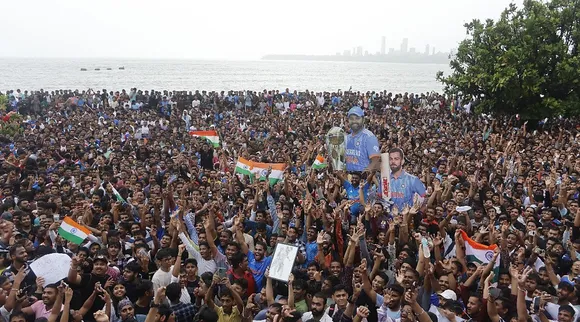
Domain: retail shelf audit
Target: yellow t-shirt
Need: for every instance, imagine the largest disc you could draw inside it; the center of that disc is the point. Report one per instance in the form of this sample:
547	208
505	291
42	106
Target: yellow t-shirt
235	316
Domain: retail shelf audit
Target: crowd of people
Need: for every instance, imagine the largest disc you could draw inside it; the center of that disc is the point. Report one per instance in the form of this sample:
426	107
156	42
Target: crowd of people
176	234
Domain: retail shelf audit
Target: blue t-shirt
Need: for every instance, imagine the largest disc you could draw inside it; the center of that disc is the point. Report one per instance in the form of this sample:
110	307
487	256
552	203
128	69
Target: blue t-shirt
258	269
352	194
359	150
404	188
311	251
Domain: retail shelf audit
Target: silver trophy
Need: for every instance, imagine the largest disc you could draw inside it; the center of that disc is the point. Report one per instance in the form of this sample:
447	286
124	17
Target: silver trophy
336	147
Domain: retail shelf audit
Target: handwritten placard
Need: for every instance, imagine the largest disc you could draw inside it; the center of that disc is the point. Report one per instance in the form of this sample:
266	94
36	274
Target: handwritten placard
51	267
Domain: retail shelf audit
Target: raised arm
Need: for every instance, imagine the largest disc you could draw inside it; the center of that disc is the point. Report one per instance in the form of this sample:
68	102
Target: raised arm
269	288
291	291
411	298
237	299
68	295
522	309
177	264
367	286
57	304
209	294
185	240
73	276
157	300
239	235
491	309
208	231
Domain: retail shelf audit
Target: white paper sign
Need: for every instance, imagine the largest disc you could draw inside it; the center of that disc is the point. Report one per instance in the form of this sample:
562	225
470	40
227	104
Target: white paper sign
51	267
283	261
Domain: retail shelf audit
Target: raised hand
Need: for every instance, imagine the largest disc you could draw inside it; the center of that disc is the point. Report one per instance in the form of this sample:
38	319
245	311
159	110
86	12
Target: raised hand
110	282
437	240
406	210
320	238
226	282
39	282
180	250
76	261
363	312
411	296
489	278
523	277
159	295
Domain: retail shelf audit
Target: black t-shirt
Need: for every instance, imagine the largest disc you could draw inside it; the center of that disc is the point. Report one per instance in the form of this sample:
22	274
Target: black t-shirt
130	288
141	310
191	286
84	290
206	159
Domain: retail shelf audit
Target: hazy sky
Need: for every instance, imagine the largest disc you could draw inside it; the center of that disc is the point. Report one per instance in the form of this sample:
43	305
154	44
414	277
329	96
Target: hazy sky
236	30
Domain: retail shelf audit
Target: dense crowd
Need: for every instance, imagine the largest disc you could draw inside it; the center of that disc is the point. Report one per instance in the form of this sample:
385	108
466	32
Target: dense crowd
189	239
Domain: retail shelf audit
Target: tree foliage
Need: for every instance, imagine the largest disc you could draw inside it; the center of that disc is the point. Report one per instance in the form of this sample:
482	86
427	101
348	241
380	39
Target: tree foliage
524	63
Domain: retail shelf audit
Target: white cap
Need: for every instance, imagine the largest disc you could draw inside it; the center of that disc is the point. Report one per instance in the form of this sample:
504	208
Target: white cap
449	295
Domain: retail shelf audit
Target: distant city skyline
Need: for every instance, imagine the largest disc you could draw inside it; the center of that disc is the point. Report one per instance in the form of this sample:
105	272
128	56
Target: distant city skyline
403	50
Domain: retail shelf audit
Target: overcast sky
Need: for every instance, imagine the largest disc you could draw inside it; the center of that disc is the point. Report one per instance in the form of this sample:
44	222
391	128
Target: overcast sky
234	30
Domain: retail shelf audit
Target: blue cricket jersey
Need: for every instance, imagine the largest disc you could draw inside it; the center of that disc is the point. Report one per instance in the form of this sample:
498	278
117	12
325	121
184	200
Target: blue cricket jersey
359	150
404	188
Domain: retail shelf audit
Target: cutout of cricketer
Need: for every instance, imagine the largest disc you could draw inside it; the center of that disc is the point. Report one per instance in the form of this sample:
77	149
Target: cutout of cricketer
362	146
403	185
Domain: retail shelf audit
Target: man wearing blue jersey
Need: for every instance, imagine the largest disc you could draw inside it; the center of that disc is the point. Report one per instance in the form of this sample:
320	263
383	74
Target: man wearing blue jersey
362	147
403	186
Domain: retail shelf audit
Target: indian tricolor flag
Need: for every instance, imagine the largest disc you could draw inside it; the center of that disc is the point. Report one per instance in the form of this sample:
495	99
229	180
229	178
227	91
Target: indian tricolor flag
480	254
117	194
244	167
211	136
319	163
72	231
258	169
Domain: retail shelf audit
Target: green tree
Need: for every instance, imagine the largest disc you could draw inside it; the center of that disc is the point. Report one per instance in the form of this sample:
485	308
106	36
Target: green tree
524	63
3	102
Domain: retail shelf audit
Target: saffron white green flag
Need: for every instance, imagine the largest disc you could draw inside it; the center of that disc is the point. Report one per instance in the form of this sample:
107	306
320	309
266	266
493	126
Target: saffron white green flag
211	136
244	167
480	254
72	231
117	194
258	169
319	163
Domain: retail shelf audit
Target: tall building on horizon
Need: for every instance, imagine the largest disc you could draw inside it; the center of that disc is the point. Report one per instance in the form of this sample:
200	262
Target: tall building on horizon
433	50
383	45
359	51
404	45
427	49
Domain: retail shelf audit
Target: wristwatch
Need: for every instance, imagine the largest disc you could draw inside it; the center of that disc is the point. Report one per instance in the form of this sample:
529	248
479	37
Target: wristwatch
154	305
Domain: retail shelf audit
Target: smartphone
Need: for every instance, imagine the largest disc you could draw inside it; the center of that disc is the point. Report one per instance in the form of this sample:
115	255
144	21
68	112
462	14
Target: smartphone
536	304
222	272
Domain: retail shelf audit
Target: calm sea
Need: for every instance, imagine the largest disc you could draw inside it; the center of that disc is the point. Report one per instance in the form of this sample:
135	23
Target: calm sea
50	74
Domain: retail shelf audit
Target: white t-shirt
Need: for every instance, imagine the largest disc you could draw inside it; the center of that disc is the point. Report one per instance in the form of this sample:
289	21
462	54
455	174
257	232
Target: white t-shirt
185	297
161	278
441	317
202	264
308	315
